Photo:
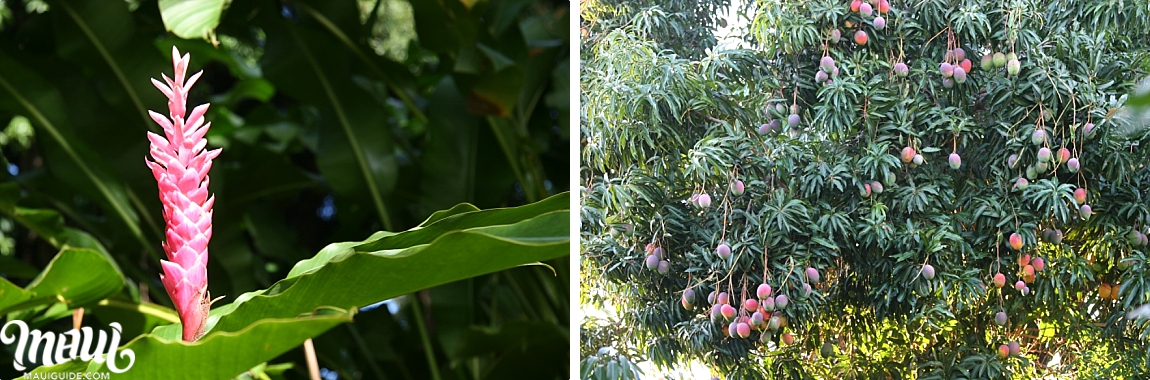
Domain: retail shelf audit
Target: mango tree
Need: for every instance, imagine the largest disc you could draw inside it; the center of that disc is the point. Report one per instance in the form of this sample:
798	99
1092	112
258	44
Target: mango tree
881	188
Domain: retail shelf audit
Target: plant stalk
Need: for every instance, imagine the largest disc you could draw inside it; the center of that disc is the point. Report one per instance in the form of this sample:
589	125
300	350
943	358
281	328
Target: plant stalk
312	363
427	349
77	318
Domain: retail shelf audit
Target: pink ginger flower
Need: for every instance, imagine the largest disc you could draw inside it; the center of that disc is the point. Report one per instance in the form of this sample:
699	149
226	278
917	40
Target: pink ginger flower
180	165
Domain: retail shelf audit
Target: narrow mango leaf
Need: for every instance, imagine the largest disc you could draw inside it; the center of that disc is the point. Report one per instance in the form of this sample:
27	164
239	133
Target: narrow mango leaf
74	277
453	248
191	18
217	356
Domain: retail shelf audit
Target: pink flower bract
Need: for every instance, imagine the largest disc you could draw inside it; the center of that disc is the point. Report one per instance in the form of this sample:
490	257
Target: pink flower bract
180	165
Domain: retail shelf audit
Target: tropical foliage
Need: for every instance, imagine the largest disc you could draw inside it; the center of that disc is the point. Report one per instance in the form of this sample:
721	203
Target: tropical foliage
873	191
428	138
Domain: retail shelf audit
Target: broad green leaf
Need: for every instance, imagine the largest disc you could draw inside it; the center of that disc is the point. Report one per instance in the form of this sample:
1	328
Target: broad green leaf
374	272
191	18
217	356
49	225
439	215
468	220
75	277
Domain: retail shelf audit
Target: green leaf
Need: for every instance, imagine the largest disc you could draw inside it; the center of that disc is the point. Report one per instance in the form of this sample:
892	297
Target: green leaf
392	73
454	248
449	161
439	215
546	342
24	92
355	152
265	371
494	93
217	356
498	60
191	18
48	224
1140	97
95	33
11	267
429	231
75	277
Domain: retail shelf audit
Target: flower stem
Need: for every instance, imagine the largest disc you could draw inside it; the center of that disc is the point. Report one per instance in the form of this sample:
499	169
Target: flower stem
427	349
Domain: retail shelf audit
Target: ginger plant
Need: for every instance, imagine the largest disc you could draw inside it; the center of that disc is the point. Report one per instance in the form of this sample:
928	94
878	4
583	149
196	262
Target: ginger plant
180	165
